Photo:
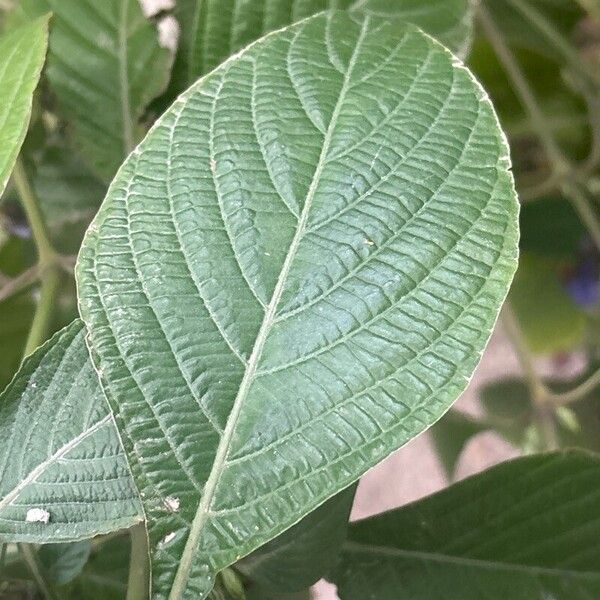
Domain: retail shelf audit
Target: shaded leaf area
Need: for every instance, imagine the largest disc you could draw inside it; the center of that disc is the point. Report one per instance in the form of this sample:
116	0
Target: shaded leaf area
22	55
63	475
277	297
525	529
303	554
105	65
214	30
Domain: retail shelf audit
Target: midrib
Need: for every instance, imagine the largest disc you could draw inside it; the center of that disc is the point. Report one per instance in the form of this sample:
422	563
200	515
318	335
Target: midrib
462	561
190	550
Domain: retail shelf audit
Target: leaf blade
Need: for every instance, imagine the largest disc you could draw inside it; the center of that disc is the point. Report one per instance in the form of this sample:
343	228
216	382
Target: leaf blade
53	413
142	263
22	55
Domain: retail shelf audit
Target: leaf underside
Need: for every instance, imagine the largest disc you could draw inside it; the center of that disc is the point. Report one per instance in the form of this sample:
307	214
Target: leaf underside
293	275
61	456
525	529
22	54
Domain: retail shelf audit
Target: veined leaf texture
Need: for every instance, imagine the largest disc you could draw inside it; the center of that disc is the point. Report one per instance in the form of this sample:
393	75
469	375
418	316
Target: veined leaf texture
293	275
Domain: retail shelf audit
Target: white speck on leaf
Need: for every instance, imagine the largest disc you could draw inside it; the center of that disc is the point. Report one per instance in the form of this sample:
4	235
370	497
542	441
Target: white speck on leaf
37	515
167	539
172	504
369	242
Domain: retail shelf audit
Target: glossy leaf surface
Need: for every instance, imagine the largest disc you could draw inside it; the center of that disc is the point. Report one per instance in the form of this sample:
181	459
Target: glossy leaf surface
63	475
293	275
22	55
525	529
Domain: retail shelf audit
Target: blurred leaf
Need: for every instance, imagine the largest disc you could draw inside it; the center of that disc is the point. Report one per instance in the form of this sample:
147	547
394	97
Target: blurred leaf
522	530
305	553
213	30
451	434
550	227
64	562
105	65
22	55
254	593
550	320
63	476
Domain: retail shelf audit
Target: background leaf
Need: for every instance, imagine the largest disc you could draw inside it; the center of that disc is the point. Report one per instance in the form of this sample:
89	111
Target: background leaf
22	55
64	562
277	297
213	30
105	66
525	529
62	472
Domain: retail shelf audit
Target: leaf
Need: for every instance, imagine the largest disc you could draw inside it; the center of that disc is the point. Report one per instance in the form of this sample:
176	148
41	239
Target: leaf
450	436
63	476
550	319
302	555
105	65
64	562
276	295
22	55
522	530
213	30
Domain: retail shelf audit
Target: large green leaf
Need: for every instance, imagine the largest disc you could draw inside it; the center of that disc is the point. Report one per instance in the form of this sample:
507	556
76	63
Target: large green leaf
22	54
105	65
63	475
293	275
213	30
523	530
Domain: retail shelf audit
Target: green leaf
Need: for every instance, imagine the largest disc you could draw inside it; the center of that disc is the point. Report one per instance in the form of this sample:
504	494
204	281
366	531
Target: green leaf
549	318
293	275
63	476
213	30
525	529
303	554
105	65
451	434
64	562
22	55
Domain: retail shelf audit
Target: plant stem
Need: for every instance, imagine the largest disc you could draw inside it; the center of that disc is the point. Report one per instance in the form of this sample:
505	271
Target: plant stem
514	72
37	571
577	393
138	584
43	311
19	283
46	252
584	209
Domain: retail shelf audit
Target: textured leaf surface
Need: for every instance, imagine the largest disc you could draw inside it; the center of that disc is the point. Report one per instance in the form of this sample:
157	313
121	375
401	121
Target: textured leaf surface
22	54
105	65
526	529
60	459
293	275
213	30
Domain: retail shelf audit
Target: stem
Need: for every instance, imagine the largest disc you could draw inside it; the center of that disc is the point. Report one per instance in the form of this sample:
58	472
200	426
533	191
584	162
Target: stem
37	572
515	74
586	211
46	252
19	283
577	393
138	585
43	311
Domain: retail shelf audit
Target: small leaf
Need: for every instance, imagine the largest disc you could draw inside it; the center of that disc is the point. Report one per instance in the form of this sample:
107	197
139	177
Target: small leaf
105	66
450	436
293	275
63	476
22	55
522	530
302	555
213	30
